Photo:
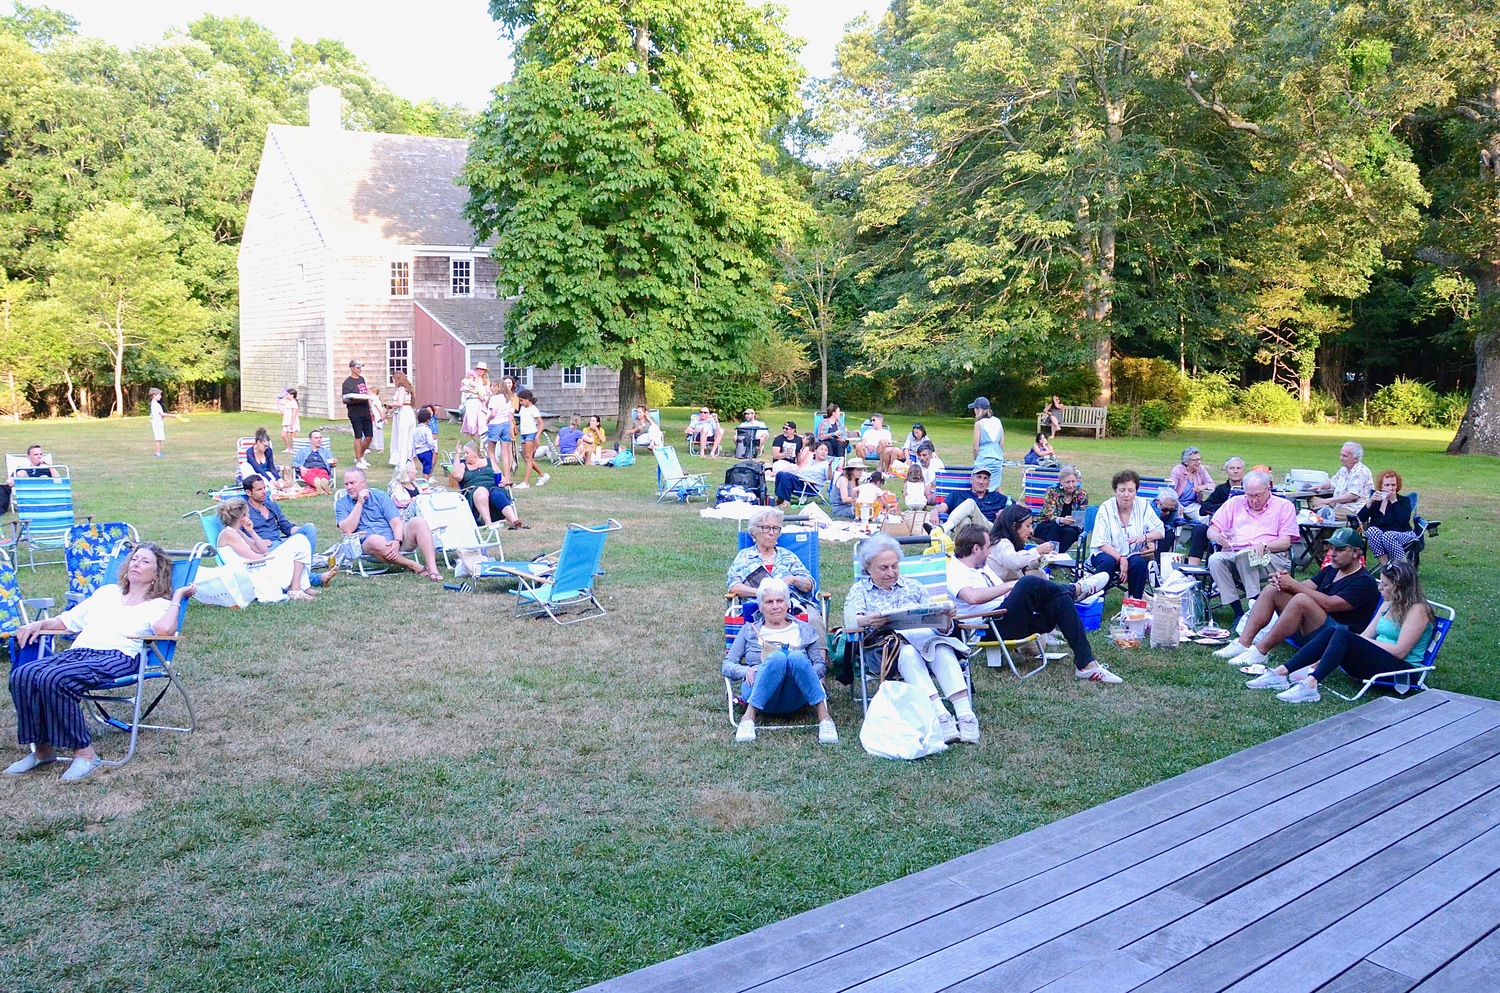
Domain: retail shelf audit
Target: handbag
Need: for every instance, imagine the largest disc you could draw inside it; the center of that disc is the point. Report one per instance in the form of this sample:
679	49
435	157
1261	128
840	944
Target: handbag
901	722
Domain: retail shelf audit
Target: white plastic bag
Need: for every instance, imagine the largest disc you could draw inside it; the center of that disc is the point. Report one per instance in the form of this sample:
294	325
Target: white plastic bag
901	724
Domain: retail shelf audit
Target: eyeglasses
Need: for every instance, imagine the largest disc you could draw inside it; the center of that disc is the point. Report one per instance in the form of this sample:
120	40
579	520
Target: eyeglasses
771	528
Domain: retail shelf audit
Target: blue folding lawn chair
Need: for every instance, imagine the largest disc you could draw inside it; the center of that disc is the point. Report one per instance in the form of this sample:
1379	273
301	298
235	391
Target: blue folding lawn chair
44	514
1413	677
571	582
672	481
15	609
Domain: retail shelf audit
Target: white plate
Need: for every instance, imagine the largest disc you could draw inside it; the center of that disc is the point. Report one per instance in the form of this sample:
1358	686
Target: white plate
1059	558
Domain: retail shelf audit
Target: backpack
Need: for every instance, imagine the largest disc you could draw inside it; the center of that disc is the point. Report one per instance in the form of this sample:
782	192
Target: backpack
623	458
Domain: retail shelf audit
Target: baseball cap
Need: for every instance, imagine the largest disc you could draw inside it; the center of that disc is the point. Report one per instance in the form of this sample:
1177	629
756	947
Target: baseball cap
790	424
1346	538
978	472
980	402
356	364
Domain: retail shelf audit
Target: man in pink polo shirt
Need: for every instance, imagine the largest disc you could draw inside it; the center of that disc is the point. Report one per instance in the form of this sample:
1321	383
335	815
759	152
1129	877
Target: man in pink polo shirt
1254	533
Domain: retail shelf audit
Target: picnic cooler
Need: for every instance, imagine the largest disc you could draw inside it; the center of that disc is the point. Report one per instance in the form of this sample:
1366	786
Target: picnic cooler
1091	614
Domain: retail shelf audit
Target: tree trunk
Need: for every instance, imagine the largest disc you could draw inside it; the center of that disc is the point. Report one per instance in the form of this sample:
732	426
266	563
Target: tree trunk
823	362
119	357
1479	432
632	394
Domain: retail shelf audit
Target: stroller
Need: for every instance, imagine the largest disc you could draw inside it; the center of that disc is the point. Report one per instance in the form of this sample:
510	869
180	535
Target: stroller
745	481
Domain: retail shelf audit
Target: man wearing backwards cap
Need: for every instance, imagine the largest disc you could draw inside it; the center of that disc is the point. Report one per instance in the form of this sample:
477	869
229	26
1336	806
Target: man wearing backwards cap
360	418
980	506
1342	594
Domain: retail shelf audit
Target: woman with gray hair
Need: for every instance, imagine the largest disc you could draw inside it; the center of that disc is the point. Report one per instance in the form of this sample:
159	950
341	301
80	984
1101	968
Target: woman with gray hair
766	558
923	653
1234	485
1064	508
781	661
1192	483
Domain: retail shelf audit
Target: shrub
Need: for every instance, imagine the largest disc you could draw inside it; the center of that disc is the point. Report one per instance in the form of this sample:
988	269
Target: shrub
855	393
1450	411
1404	402
1076	386
1267	403
1210	396
1117	420
1320	407
728	398
658	393
1137	381
1156	417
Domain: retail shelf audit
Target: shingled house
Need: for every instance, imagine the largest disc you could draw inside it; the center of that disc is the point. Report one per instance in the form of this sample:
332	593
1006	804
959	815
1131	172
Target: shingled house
356	247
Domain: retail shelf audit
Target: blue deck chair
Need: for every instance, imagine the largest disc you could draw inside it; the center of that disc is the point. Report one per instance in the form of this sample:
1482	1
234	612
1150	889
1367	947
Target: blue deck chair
1413	677
16	610
44	513
672	481
122	703
571	582
89	551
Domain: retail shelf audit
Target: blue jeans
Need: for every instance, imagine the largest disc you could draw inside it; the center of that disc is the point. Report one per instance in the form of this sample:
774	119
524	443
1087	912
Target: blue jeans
789	485
785	683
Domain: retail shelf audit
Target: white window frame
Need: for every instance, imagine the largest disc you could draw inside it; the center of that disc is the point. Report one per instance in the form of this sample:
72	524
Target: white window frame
521	374
401	278
395	363
466	289
583	377
302	362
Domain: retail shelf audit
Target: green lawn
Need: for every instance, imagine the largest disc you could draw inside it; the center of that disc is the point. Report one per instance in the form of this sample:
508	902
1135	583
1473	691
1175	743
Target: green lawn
398	788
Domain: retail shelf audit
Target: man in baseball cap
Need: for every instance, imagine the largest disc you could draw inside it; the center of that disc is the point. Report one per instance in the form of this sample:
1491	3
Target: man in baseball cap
981	505
360	418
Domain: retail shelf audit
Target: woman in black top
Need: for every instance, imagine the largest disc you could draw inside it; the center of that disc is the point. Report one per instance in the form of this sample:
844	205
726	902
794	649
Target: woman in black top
1387	518
262	457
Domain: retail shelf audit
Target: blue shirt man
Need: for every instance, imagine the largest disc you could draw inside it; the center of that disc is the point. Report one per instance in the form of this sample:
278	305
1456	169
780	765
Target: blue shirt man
373	512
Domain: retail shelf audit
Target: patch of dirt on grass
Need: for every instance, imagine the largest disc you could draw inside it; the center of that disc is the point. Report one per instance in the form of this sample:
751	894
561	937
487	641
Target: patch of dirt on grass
730	809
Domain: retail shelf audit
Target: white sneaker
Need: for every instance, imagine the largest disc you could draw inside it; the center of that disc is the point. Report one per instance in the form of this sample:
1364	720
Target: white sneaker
1233	650
1300	693
521	486
1097	673
745	731
947	726
543	480
827	733
1090	585
361	464
1251	656
1269	680
968	729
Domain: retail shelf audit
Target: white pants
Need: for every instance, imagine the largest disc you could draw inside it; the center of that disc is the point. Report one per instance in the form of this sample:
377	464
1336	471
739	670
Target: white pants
966	513
914	670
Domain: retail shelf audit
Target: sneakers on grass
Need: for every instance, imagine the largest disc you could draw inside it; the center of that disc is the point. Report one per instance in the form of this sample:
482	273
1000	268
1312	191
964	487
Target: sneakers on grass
968	729
1300	692
1090	585
1269	680
1250	656
745	731
521	486
827	733
1233	650
1095	672
543	480
947	726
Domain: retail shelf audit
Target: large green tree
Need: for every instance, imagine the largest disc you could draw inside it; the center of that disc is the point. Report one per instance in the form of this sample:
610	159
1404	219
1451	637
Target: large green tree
624	175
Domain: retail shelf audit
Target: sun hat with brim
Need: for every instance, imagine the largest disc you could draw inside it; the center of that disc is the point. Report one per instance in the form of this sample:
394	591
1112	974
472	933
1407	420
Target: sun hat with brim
1346	538
853	462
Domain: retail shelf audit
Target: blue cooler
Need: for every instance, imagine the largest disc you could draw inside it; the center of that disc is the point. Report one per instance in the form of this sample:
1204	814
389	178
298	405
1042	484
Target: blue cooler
1091	614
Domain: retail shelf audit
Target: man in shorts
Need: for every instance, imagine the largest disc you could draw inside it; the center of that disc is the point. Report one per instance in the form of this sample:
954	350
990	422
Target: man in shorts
360	418
360	508
312	467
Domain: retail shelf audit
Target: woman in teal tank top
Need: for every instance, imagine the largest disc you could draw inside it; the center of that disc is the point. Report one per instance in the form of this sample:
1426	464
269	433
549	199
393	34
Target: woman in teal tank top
1396	638
989	441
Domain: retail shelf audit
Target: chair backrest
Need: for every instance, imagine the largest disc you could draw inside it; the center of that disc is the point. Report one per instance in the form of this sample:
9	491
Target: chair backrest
301	446
449	519
14	462
801	543
1035	482
241	450
1152	485
581	556
1442	621
668	466
88	553
932	572
12	609
953	483
45	505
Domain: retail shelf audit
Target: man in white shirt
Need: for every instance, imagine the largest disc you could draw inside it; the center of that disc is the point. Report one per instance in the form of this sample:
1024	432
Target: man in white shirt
1032	605
875	439
1349	489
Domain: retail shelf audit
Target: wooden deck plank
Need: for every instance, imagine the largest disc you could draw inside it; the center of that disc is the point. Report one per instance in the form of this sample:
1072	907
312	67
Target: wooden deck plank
1020	889
1426	947
1366	977
1229	960
846	958
1231	873
1051	904
1323	956
1472	972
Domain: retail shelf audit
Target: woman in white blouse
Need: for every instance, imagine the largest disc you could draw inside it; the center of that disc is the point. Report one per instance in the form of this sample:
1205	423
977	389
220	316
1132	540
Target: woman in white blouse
1126	531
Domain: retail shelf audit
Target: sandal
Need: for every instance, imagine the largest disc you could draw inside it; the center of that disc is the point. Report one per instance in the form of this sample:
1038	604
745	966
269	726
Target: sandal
298	595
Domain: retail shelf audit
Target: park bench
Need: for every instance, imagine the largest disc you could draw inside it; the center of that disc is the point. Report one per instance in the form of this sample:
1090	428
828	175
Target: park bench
1082	418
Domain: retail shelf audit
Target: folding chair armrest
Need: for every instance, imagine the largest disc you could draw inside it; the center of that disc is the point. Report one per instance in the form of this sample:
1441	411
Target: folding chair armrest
524	574
39	603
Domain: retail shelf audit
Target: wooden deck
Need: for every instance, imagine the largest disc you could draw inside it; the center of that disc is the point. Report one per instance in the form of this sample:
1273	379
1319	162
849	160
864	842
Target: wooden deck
1360	853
